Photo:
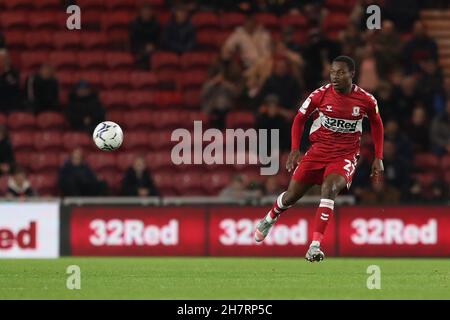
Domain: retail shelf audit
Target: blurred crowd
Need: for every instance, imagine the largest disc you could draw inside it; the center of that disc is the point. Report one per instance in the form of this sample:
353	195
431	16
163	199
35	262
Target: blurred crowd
270	75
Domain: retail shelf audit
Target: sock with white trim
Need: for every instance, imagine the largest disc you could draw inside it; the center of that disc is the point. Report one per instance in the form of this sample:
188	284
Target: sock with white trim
323	215
277	209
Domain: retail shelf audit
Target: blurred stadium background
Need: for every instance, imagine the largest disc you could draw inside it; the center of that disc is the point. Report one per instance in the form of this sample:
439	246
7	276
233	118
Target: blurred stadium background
157	65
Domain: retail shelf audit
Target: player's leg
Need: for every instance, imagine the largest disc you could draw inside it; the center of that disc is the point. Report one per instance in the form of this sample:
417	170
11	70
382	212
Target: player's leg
332	185
284	201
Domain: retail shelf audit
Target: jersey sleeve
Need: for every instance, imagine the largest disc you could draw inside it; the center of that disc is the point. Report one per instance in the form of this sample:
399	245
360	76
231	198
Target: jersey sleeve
376	126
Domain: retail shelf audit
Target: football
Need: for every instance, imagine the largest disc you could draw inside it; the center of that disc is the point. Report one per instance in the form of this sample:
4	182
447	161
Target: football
108	136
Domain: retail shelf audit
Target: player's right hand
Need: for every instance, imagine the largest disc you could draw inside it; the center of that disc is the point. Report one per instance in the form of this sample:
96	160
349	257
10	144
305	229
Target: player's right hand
292	160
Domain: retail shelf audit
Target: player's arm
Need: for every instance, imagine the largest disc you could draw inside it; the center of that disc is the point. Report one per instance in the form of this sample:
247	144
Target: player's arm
376	127
297	132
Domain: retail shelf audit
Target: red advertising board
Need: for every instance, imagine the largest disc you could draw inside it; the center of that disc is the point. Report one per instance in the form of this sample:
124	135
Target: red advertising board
231	232
394	231
138	231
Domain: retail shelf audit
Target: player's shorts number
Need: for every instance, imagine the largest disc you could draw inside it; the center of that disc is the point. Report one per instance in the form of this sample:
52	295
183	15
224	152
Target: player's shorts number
349	167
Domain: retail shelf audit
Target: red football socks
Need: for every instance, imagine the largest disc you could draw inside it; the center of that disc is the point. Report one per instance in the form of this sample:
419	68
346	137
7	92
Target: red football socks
323	215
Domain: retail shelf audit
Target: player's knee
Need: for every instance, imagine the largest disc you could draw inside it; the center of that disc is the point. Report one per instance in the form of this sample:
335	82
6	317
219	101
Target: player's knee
289	198
329	190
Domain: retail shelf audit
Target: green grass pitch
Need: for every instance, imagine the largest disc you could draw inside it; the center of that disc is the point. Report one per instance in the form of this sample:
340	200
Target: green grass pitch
224	278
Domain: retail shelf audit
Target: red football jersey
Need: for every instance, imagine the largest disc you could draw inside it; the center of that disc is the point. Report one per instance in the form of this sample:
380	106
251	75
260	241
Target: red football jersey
337	127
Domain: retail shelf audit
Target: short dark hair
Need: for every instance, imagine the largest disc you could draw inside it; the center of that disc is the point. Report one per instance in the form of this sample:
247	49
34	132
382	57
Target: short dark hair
347	60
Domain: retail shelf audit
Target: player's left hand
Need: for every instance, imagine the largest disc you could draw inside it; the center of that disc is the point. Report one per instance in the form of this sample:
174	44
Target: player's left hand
377	169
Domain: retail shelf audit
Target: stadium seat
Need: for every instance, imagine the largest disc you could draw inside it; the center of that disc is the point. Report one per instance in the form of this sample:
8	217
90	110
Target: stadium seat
216	181
116	79
344	6
15	40
162	59
141	119
115	5
297	21
66	79
447	177
207	20
269	21
116	20
22	141
425	179
231	20
72	140
114	99
93	40
91	20
44	162
160	160
92	60
91	4
118	117
335	21
92	77
23	158
136	141
143	80
119	60
39	40
164	183
118	40
240	119
196	60
168	79
64	60
210	40
48	4
193	79
44	184
46	20
50	120
191	98
113	179
19	4
49	141
14	21
445	162
31	60
140	99
169	119
67	40
159	140
426	162
21	121
3	119
125	160
165	99
102	161
189	184
3	183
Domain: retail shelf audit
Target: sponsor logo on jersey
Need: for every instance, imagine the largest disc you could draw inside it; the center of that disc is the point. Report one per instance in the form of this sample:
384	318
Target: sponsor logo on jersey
339	125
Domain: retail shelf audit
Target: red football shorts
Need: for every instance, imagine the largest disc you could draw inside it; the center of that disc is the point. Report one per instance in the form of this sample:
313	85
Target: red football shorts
313	169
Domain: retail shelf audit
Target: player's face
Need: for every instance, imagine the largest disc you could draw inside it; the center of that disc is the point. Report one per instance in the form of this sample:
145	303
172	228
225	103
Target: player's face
340	76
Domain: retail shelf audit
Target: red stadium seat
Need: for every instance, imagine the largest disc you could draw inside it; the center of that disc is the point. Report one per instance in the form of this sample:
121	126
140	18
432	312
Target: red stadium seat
162	60
232	20
3	183
166	99
102	160
114	99
116	20
191	99
116	79
91	19
41	162
160	160
140	99
125	160
270	21
50	120
12	21
445	161
118	39
141	119
48	4
19	4
240	119
194	60
216	181
118	117
45	184
340	5
143	80
63	59
159	140
426	162
21	121
189	184
191	116
22	141
39	40
48	141
115	5
92	60
3	119
93	77
136	141
31	60
113	178
205	20
117	60
46	20
72	140
447	177
91	4
425	179
93	40
23	158
15	40
168	79
66	79
210	40
335	21
67	40
164	183
193	79
297	21
169	119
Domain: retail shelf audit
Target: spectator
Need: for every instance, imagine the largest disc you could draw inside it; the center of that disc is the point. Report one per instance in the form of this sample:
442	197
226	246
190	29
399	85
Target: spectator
272	116
10	94
43	89
405	97
282	84
76	178
419	47
368	72
352	41
18	185
272	186
380	193
6	152
179	34
430	83
387	46
402	144
137	180
218	97
84	108
396	168
287	37
417	130
237	189
440	132
252	41
144	35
